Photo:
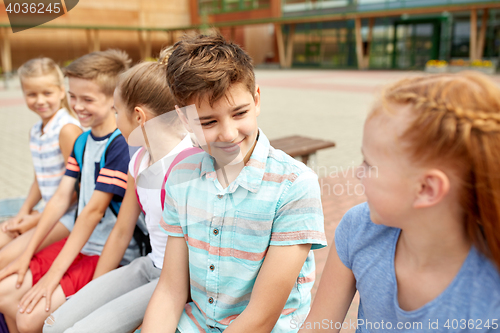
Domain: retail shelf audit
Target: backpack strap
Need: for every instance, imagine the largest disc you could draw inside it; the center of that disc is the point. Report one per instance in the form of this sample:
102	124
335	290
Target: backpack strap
182	155
79	147
79	150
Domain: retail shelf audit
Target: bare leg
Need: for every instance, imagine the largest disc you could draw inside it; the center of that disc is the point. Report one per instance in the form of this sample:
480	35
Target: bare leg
11	325
33	322
10	296
12	250
5	238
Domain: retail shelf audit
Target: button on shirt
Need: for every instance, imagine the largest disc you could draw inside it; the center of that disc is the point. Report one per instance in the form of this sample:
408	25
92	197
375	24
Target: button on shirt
275	200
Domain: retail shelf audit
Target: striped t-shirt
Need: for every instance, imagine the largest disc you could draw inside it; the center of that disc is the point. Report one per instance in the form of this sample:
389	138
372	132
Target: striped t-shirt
274	201
46	154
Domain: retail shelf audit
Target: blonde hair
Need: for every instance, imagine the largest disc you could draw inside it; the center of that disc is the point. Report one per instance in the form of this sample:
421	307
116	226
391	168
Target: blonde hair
102	67
44	67
145	84
455	120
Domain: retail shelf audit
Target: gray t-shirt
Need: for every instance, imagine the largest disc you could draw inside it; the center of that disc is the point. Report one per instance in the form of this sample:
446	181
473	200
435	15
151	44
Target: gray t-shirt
471	303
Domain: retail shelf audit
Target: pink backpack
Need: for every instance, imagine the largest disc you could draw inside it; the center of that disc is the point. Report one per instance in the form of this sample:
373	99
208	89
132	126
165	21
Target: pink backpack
181	156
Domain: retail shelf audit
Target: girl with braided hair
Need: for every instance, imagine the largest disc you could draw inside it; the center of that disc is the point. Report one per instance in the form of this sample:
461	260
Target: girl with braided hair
424	250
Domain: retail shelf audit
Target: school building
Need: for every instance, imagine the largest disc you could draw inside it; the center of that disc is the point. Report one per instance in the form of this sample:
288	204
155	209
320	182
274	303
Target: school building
365	34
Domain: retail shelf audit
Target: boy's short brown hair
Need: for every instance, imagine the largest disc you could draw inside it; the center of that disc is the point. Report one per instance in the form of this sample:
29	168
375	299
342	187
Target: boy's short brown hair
204	65
102	67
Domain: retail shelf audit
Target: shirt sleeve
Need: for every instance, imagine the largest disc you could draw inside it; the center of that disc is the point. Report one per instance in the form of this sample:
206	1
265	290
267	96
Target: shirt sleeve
299	217
112	177
72	168
170	222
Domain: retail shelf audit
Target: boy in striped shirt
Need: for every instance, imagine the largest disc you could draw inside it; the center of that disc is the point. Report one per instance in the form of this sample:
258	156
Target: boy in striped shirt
35	284
243	218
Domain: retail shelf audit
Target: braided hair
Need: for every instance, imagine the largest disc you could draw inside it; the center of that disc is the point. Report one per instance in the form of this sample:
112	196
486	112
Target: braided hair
455	121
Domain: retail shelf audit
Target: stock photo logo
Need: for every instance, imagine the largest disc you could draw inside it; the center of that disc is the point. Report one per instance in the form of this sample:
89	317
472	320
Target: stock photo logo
26	14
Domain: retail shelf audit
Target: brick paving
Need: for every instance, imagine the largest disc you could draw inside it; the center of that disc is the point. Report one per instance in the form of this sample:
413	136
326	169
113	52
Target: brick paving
330	105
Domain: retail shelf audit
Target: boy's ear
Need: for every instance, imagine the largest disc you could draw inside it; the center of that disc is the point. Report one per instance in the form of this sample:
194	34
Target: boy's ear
139	115
183	118
433	187
256	98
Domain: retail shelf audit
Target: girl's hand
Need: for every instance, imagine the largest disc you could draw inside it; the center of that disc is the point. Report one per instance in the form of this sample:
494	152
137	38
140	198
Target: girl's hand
19	266
43	289
12	223
26	223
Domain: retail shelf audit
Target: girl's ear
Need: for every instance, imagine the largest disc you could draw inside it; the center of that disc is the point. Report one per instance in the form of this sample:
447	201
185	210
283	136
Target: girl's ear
139	116
183	118
433	187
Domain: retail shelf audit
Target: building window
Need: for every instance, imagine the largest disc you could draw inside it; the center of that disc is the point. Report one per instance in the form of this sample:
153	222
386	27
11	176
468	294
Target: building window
226	6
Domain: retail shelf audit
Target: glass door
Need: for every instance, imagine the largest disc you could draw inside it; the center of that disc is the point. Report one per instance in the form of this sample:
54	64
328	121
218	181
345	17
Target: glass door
415	43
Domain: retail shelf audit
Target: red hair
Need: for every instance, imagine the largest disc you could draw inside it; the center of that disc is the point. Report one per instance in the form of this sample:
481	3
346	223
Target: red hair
456	122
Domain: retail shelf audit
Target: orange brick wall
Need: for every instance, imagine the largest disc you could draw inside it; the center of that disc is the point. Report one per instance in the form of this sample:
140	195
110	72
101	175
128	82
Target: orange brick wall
67	44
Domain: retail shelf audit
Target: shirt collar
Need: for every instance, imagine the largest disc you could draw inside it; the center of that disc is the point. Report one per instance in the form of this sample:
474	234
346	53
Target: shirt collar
52	122
251	175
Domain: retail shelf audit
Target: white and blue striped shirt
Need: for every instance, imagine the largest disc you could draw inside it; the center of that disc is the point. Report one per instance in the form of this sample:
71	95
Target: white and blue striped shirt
47	158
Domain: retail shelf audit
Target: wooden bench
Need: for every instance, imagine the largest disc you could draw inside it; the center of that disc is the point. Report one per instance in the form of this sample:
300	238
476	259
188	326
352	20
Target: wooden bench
301	146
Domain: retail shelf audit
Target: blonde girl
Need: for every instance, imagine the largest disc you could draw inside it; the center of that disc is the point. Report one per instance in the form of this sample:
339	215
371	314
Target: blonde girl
424	251
116	300
51	142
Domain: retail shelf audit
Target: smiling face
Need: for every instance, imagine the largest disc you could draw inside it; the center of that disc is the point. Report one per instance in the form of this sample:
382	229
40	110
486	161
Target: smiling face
43	96
228	129
91	105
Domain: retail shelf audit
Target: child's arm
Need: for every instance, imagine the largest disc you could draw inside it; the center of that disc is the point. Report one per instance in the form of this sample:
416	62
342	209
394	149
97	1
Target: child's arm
334	295
90	216
274	283
122	232
34	196
67	138
112	180
298	227
20	224
55	209
172	292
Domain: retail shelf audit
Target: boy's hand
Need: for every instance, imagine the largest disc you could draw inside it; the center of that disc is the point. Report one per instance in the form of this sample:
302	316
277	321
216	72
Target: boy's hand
19	266
43	289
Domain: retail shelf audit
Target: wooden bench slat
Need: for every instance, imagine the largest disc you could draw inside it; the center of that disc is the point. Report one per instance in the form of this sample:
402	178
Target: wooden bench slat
297	145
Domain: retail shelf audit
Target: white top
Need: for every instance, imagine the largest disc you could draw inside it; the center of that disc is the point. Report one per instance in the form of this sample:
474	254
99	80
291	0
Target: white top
148	186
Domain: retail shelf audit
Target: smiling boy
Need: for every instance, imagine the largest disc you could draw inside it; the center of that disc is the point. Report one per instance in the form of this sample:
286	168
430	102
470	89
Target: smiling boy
63	268
242	217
